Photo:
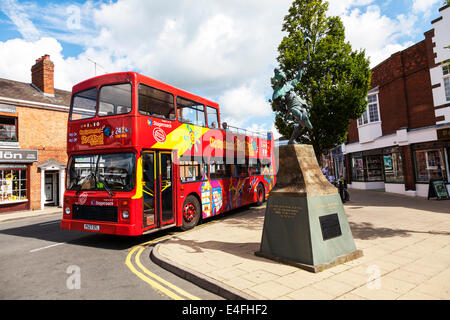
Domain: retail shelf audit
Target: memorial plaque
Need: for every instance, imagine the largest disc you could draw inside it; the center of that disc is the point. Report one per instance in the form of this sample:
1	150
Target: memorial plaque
330	226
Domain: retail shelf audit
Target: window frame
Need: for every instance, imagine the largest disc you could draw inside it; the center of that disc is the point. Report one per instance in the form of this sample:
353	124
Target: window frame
156	116
365	118
99	90
73	98
446	76
217	117
16	125
198	103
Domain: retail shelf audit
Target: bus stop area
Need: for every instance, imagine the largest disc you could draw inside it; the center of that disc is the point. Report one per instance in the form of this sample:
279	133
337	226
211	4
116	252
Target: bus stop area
405	241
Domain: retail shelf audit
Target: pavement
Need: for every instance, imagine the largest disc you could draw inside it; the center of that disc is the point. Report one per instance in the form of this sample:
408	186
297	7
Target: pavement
16	215
405	241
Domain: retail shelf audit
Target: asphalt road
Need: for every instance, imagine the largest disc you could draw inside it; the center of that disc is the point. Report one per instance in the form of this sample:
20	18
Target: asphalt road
38	260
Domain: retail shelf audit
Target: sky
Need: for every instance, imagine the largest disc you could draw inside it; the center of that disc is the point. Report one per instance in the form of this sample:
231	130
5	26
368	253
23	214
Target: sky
223	50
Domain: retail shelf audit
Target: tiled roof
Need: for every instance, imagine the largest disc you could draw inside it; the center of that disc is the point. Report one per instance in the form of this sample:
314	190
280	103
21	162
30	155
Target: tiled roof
25	91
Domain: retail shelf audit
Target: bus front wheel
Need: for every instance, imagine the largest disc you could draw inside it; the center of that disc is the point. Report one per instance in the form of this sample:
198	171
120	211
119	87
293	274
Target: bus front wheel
260	194
191	213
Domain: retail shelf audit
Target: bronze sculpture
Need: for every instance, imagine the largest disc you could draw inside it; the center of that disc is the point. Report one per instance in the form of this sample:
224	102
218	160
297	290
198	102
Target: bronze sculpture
288	101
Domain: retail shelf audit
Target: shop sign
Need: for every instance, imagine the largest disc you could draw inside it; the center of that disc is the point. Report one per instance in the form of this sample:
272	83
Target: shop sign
7	108
23	156
443	134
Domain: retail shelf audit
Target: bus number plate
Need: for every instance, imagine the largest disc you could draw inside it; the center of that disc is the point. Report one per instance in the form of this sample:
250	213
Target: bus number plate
92	227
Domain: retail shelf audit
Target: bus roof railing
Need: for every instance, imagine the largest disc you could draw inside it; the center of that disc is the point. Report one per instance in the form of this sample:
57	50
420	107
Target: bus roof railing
263	135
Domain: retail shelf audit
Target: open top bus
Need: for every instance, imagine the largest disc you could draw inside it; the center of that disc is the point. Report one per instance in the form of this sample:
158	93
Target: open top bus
145	156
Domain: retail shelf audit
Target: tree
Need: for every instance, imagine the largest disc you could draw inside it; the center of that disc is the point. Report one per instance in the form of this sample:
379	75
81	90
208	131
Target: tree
335	82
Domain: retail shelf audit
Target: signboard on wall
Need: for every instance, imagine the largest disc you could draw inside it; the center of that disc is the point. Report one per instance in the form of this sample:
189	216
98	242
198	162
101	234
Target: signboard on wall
18	156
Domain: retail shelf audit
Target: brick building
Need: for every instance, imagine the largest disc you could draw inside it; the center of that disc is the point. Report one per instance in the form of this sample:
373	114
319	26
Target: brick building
33	129
403	139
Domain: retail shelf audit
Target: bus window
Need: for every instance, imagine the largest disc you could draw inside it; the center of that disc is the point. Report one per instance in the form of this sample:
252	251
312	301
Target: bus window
191	112
191	171
218	170
254	167
242	170
114	100
156	103
84	104
213	118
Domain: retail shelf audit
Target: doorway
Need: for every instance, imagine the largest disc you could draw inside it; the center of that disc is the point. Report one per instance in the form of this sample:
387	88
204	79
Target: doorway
157	179
51	188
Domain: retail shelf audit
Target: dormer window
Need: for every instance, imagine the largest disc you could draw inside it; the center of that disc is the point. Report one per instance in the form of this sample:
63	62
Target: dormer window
372	113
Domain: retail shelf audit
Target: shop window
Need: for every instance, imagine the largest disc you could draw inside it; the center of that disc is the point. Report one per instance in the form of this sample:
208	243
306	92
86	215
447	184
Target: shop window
357	168
429	165
393	168
373	168
13	185
8	129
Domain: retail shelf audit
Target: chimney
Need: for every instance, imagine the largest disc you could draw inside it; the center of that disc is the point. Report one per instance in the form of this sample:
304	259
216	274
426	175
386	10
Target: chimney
42	75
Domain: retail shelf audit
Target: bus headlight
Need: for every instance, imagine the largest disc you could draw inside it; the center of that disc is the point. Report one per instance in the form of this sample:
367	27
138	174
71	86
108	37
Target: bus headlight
125	214
67	210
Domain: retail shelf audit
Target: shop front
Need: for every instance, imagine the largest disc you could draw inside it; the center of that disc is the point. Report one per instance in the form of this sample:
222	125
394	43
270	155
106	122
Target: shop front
431	161
378	169
15	178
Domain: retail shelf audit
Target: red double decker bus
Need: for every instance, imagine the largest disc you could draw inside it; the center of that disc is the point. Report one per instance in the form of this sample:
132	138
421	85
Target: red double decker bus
144	156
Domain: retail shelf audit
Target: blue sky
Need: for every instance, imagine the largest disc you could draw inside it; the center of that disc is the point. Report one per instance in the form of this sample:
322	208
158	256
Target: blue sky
223	50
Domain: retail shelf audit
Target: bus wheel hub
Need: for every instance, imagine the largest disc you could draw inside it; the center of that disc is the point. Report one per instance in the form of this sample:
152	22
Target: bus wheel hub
189	212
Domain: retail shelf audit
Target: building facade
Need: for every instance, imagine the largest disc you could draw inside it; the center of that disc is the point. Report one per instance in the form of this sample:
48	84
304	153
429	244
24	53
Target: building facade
33	130
403	138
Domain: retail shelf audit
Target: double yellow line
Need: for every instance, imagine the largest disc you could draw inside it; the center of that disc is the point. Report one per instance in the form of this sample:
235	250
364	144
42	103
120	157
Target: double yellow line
152	279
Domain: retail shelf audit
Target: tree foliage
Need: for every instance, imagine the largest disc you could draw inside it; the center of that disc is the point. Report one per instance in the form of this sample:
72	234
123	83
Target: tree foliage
335	82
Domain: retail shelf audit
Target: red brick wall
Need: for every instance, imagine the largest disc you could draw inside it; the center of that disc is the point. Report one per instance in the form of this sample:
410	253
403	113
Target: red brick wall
405	94
45	131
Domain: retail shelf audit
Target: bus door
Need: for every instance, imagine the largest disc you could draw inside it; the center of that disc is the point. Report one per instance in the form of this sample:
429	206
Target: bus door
157	179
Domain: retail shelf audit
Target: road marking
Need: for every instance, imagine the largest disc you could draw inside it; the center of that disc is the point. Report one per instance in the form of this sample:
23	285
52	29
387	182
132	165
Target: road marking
152	279
50	246
47	223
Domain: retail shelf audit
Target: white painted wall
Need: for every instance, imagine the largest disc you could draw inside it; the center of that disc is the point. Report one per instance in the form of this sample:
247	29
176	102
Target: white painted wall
366	185
442	36
395	188
400	138
369	132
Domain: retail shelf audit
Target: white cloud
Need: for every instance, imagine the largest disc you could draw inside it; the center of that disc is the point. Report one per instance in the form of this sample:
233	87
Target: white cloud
378	34
424	6
244	101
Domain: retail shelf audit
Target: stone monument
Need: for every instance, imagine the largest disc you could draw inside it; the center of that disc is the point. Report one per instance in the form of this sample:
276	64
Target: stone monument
305	223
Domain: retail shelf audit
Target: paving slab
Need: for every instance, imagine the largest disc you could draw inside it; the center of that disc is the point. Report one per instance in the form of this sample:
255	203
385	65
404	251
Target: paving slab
406	244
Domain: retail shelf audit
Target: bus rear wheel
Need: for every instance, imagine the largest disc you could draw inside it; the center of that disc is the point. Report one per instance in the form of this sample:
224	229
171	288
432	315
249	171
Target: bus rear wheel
260	194
191	213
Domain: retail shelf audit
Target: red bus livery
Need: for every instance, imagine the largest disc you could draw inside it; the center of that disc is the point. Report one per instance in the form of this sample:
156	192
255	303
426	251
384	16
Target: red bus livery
145	156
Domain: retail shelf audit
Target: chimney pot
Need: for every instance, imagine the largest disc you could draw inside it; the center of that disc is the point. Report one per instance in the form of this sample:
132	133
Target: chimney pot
42	75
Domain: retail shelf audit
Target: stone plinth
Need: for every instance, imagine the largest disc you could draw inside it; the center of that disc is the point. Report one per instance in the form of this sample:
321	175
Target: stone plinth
305	223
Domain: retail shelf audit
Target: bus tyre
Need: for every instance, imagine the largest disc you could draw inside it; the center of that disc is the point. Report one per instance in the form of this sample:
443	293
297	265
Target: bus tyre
191	213
260	196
